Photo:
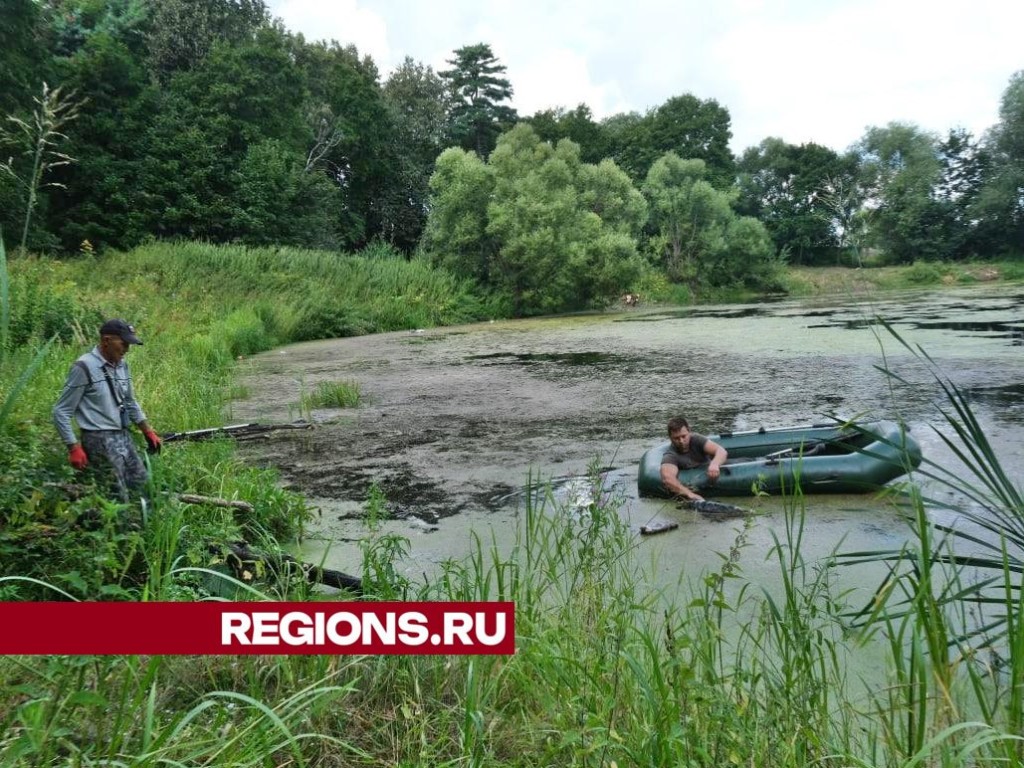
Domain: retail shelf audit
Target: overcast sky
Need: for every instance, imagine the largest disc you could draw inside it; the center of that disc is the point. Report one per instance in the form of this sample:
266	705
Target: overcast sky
803	70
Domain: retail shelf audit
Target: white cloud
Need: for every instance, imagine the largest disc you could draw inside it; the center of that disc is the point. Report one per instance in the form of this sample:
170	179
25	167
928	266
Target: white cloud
805	70
341	20
561	78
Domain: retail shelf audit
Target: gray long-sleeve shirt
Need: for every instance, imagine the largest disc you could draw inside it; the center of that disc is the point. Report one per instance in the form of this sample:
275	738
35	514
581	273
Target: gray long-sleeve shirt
93	405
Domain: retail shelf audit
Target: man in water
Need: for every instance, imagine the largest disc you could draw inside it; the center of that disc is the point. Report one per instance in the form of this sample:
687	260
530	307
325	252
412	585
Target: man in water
98	393
688	451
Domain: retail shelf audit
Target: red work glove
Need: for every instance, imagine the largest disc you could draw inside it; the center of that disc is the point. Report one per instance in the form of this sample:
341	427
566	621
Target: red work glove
153	441
77	457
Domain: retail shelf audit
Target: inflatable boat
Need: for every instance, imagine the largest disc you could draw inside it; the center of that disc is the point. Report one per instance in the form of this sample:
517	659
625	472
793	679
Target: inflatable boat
820	458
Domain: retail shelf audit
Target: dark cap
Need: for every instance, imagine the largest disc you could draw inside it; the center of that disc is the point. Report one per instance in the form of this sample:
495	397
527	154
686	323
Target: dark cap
118	327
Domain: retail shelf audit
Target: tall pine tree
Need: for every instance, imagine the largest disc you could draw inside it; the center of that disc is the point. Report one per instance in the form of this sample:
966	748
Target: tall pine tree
478	115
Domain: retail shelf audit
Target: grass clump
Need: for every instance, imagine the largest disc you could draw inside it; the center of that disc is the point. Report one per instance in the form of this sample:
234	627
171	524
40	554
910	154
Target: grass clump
334	394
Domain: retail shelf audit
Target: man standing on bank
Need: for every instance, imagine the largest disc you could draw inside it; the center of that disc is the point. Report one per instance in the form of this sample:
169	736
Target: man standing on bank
688	451
98	393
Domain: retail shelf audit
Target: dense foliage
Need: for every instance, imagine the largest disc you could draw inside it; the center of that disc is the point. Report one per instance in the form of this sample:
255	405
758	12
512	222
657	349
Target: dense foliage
536	224
127	120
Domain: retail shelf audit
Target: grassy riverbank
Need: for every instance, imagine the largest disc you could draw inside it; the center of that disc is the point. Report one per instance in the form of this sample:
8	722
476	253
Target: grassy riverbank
806	282
605	672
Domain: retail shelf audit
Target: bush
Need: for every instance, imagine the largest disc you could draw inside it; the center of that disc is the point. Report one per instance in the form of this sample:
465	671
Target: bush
334	394
243	333
323	321
378	249
39	311
923	273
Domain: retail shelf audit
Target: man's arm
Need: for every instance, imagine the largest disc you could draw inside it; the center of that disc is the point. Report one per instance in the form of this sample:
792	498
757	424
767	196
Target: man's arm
67	404
670	480
718	456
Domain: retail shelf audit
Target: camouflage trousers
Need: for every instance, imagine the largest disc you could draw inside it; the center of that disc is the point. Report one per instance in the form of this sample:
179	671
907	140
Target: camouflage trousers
111	452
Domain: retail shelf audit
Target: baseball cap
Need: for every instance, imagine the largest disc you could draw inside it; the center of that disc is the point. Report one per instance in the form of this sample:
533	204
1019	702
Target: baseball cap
118	327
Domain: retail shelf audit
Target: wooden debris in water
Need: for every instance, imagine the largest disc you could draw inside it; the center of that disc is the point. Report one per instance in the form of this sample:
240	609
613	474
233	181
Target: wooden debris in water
651	530
236	431
213	501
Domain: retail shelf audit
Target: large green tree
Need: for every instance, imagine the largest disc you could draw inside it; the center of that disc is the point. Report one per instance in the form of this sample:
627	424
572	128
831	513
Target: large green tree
456	235
278	200
901	170
577	125
419	102
781	185
182	33
479	111
364	161
689	127
23	59
1000	203
964	164
104	202
700	239
236	97
536	224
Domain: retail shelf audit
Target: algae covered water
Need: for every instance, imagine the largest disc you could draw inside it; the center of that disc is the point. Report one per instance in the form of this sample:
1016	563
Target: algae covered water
457	421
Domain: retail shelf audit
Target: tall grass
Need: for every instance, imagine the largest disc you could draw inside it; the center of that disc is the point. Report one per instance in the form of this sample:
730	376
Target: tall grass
606	672
314	294
718	671
951	606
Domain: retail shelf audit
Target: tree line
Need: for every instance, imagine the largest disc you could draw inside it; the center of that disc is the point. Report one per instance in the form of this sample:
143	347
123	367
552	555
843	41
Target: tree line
127	120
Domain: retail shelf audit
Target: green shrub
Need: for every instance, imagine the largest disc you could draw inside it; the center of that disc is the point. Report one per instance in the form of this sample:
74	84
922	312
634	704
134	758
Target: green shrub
325	321
923	273
243	333
378	249
334	394
39	311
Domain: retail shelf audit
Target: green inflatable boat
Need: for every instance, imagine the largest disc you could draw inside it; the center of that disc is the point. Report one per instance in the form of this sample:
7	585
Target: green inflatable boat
823	458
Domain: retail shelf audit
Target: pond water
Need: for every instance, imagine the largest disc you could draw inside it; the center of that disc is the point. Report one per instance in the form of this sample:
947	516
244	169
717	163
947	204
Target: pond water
456	420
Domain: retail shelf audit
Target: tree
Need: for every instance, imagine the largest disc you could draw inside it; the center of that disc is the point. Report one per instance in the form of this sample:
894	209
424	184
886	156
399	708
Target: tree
103	203
419	103
684	125
687	212
900	170
577	125
701	240
964	164
23	58
556	252
535	223
278	200
210	116
365	164
478	114
182	33
841	201
456	232
781	184
1000	203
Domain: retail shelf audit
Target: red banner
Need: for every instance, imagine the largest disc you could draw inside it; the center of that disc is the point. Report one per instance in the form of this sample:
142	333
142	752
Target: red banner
257	628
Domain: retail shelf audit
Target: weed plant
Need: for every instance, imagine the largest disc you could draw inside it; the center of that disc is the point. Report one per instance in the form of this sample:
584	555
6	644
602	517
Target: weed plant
334	394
